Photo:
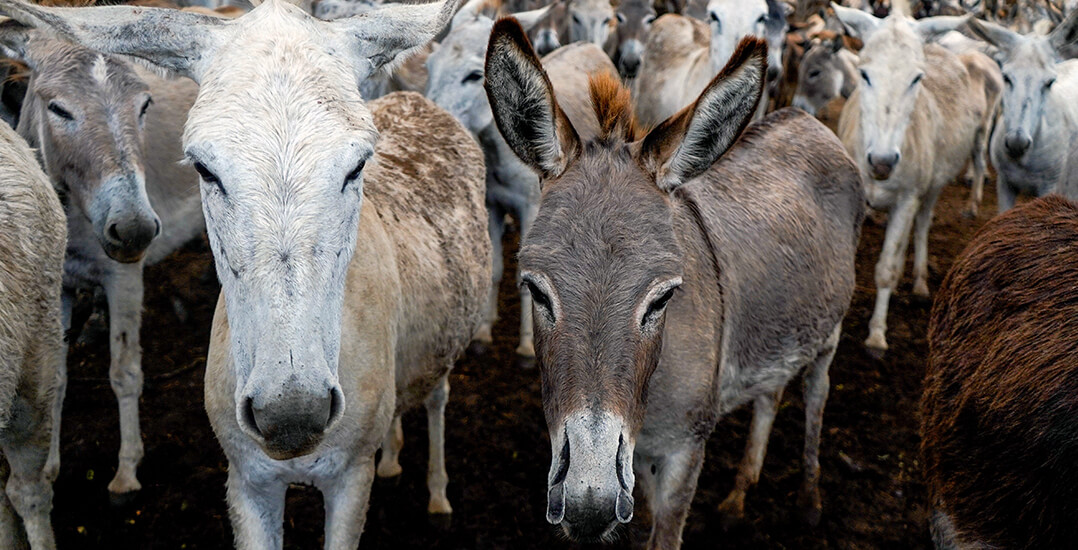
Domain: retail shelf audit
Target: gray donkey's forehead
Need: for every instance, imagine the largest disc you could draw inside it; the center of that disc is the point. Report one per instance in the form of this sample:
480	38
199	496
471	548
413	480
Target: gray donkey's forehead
70	69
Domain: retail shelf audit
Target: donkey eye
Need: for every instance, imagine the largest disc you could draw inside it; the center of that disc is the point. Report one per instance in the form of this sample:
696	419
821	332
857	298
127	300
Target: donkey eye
657	306
1007	80
145	107
473	76
917	79
353	176
1048	84
814	73
209	177
540	298
762	20
864	76
59	111
621	17
648	19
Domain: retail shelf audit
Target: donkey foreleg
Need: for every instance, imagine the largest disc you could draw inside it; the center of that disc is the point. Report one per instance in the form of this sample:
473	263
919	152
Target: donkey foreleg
52	466
817	384
389	465
496	229
437	478
123	288
765	407
922	223
889	268
256	509
978	167
671	495
28	488
346	498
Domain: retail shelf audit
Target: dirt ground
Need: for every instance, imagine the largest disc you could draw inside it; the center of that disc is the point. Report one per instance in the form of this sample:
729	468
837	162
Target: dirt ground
497	447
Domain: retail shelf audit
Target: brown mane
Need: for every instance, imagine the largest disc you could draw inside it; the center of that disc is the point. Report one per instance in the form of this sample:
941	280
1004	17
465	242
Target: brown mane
613	106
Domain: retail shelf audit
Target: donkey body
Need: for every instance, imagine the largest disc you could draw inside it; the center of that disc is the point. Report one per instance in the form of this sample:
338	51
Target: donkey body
456	84
913	123
315	347
999	407
31	342
108	135
1030	148
662	284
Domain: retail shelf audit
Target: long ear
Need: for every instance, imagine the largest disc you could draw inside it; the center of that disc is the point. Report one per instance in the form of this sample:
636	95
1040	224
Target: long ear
468	12
529	19
688	143
930	27
388	34
1064	38
1001	38
15	41
857	23
174	40
524	105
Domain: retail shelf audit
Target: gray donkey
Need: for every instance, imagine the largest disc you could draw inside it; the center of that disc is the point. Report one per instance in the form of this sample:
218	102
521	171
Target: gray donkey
1030	148
108	135
671	287
31	263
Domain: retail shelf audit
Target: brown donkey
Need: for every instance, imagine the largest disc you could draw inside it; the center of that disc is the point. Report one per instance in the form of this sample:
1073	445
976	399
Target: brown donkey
670	289
1000	409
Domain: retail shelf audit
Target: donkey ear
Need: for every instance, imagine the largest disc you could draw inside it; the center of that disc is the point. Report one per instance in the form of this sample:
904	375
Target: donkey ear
15	41
930	27
688	143
176	41
856	22
523	103
1064	38
1000	37
529	19
388	34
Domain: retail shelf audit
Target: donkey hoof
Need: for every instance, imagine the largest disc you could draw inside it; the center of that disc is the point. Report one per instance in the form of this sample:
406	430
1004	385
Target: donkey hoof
122	501
526	350
970	213
387	470
920	289
525	363
732	511
478	349
440	520
876	344
811	508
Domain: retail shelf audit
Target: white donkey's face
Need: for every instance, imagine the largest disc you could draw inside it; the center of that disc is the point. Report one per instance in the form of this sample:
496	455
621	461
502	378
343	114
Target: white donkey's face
280	136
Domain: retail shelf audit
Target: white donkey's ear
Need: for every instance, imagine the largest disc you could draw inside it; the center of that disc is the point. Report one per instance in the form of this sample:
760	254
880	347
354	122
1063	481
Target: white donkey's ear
469	12
857	23
1064	38
529	19
930	27
1002	38
173	40
389	34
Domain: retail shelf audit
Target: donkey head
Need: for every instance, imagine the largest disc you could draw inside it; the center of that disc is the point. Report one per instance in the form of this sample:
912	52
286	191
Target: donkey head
602	260
821	76
84	112
280	136
1029	71
733	20
590	21
634	23
455	69
891	68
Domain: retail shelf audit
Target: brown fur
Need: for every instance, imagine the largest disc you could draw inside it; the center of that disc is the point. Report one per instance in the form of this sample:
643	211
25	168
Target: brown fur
999	430
613	106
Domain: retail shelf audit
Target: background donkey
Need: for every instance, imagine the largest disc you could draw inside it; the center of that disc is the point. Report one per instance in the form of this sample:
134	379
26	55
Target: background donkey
338	318
999	413
915	120
31	342
637	236
108	135
1030	147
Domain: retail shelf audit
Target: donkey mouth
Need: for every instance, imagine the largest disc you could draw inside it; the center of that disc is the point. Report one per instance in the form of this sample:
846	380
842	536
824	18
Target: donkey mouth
122	255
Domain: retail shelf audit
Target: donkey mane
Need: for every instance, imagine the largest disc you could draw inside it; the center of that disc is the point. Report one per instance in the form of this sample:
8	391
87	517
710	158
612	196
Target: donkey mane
613	105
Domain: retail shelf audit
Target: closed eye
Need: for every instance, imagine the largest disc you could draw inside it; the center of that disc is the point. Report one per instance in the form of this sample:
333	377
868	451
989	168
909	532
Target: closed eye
540	299
474	76
916	79
59	111
353	176
208	176
145	107
864	76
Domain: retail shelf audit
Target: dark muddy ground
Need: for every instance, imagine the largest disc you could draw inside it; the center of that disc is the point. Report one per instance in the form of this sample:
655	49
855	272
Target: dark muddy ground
497	447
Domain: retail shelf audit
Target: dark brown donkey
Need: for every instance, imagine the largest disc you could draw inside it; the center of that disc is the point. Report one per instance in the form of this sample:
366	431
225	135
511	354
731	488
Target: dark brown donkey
669	288
1000	408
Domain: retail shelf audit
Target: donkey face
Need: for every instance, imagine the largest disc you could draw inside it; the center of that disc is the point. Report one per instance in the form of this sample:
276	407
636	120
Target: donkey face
590	21
1029	71
602	260
634	23
820	77
455	69
84	112
732	20
279	136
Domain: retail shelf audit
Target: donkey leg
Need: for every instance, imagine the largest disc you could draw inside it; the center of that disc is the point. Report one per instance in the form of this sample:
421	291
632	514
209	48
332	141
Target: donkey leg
28	487
437	478
346	502
256	508
922	223
527	328
10	532
123	288
675	484
817	384
765	407
889	269
390	465
1005	195
52	467
496	229
978	167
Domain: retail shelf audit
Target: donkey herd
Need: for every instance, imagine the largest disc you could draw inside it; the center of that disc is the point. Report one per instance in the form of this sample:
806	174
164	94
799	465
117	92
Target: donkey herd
688	242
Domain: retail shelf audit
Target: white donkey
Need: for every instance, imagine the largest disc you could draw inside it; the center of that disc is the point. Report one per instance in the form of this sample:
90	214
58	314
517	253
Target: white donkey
108	135
31	342
1031	146
914	122
333	318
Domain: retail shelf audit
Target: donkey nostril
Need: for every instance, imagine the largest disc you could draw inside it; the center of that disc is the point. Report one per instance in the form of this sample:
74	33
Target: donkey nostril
156	227
336	406
249	416
113	233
